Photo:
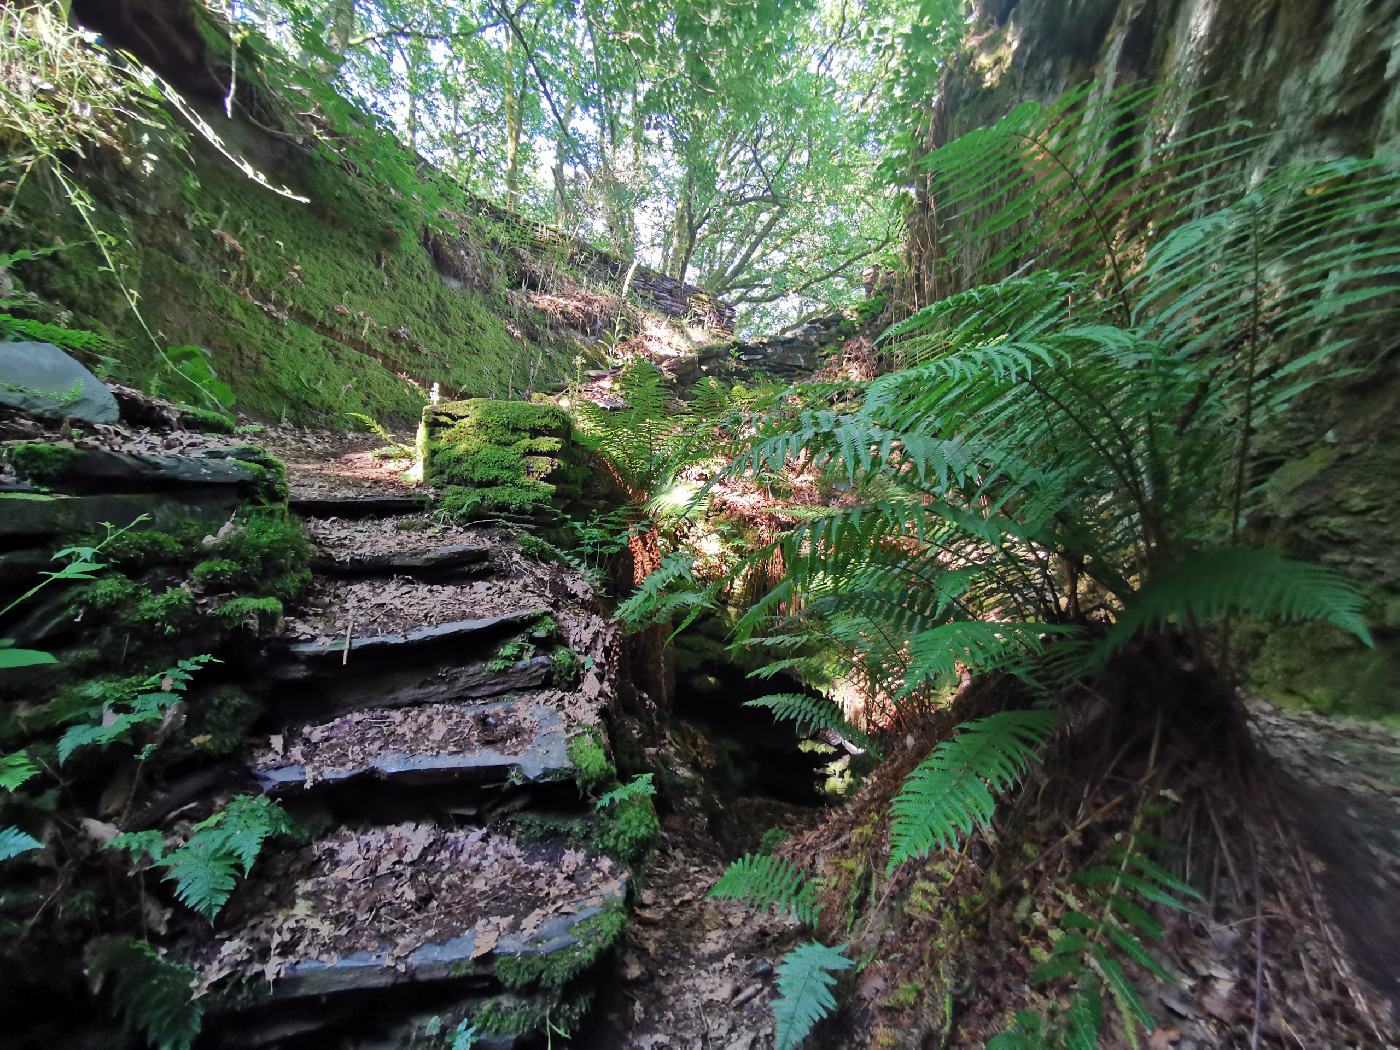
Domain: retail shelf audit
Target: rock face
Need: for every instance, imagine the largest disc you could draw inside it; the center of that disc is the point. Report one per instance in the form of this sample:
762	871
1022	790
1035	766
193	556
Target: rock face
42	380
1315	78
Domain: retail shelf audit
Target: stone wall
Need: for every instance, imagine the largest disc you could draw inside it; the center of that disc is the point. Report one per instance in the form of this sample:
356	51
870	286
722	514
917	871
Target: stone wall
1315	78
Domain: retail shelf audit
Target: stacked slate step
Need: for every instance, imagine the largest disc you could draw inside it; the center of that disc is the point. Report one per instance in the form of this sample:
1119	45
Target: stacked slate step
449	878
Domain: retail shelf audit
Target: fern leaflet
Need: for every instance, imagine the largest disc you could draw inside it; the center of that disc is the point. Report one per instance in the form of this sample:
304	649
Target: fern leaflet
954	790
805	979
640	787
811	714
14	842
152	994
770	882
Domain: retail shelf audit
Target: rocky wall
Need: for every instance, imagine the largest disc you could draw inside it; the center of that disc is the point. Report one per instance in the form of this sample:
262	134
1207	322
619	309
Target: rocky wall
1315	78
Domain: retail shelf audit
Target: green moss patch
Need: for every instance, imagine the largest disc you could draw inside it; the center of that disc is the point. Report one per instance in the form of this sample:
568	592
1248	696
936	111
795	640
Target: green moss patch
554	970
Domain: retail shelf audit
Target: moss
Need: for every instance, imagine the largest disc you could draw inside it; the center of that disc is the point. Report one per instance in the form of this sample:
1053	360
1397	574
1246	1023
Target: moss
41	462
541	550
592	766
269	472
529	500
109	594
554	970
265	555
564	667
141	548
629	830
205	421
221	719
262	614
512	1015
511	653
165	613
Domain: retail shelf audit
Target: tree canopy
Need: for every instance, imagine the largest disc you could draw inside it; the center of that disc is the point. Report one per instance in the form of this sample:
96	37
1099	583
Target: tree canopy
729	144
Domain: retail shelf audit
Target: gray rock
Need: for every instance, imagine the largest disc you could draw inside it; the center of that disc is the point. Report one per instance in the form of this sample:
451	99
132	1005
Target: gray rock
331	694
42	380
34	517
101	470
546	759
422	561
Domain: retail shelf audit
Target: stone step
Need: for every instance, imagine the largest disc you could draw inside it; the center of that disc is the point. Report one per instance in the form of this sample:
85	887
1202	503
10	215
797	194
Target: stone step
318	695
520	741
451	559
291	661
366	923
354	505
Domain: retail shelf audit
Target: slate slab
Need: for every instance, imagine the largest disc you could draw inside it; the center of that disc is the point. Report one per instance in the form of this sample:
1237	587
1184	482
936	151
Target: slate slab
545	759
353	506
454	631
30	517
336	694
456	958
102	470
42	380
425	561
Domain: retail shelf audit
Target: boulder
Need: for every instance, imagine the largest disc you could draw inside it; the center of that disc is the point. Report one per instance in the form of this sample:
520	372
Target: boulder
42	380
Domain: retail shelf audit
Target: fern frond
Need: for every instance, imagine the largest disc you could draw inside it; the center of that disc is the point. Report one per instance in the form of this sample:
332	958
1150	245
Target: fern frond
763	882
940	653
16	769
153	995
1215	583
810	714
640	787
14	843
242	826
954	790
805	979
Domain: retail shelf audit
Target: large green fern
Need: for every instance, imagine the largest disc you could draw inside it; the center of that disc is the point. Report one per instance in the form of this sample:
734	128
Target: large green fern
152	995
954	790
764	881
220	849
806	976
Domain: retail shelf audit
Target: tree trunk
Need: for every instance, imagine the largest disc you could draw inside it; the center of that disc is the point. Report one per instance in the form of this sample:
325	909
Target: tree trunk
513	110
342	14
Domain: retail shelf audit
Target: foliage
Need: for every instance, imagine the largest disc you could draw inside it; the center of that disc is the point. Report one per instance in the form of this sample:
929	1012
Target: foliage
671	591
764	881
1104	925
205	868
954	790
152	994
14	842
810	714
805	979
117	717
640	787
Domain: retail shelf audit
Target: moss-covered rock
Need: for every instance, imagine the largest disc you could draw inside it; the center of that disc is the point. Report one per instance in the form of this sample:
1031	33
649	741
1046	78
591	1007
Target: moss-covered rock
514	460
554	970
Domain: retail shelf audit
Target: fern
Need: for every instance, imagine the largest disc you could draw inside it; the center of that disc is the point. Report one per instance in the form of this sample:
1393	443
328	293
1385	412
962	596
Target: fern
805	979
954	790
1215	583
16	769
206	868
14	843
940	653
640	787
153	996
811	714
119	718
764	882
671	591
1106	925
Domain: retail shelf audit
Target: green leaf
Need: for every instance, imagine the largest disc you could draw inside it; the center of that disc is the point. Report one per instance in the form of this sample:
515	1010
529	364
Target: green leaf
11	659
805	979
16	769
765	881
154	996
14	842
